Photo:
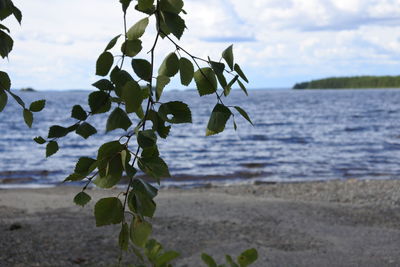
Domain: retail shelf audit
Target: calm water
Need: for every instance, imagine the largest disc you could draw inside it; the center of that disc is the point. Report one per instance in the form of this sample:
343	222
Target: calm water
298	136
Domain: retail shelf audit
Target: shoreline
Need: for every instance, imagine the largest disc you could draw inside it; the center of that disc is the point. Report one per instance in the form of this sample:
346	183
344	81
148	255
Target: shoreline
333	223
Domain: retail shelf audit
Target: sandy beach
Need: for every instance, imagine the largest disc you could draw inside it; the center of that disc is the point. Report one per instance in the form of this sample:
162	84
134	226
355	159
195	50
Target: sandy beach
337	223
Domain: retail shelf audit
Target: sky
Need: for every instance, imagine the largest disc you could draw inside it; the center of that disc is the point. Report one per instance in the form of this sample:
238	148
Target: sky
276	42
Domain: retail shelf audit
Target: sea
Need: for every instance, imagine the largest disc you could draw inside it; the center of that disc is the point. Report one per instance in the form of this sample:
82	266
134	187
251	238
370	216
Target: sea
298	135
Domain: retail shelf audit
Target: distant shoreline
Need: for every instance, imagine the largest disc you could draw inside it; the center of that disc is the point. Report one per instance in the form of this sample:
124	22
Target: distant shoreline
357	82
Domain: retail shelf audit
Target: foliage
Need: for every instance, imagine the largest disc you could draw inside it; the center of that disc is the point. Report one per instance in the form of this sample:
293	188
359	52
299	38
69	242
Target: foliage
132	97
352	82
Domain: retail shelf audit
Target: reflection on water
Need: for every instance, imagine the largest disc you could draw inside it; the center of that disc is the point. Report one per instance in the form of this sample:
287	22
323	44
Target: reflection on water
298	135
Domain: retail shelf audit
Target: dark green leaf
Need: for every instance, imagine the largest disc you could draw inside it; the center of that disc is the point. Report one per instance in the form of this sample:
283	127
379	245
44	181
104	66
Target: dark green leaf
132	95
123	239
175	112
138	29
28	117
166	258
17	14
173	6
217	67
120	77
3	100
146	138
205	81
145	4
143	187
104	85
112	43
85	165
152	249
130	171
131	47
6	44
99	102
154	167
140	232
244	114
240	72
207	259
219	116
125	4
175	24
56	131
86	130
109	150
242	87
230	261
37	105
228	87
51	148
78	113
228	56
5	82
2	27
170	65
247	257
118	119
158	124
141	204
150	152
162	81
39	140
108	211
142	68
18	99
82	199
104	63
186	70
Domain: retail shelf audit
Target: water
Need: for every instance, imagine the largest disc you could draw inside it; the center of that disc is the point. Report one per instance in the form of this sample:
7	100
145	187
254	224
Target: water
297	136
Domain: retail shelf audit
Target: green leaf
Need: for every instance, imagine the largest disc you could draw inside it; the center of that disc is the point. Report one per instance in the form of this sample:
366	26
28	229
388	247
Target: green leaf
17	14
162	81
175	112
230	261
132	95
120	77
104	63
247	257
28	117
99	102
166	257
131	48
82	199
173	6
242	87
219	116
104	85
138	29
154	167
5	82
130	171
142	68
175	24
37	105
205	81
86	130
109	150
3	100
118	119
145	4
57	131
244	114
112	43
207	259
123	239
143	187
158	124
186	70
219	71
146	138
125	4
18	99
6	44
141	204
228	87
2	27
51	148
228	56
150	152
170	65
240	73
140	232
85	165
78	113
39	140
108	211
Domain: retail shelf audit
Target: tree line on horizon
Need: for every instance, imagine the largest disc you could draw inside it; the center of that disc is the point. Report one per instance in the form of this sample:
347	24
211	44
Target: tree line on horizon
351	82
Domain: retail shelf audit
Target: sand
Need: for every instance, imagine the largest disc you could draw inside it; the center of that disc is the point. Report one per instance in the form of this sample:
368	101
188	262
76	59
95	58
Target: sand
337	223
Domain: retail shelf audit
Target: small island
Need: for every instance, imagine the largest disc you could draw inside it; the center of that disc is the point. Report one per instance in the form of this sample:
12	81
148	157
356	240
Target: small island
27	89
358	82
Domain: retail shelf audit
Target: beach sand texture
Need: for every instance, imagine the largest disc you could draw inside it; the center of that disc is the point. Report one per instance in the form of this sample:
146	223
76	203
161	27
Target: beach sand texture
336	223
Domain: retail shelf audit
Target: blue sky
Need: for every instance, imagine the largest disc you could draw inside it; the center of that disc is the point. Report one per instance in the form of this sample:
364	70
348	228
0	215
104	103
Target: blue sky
277	42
